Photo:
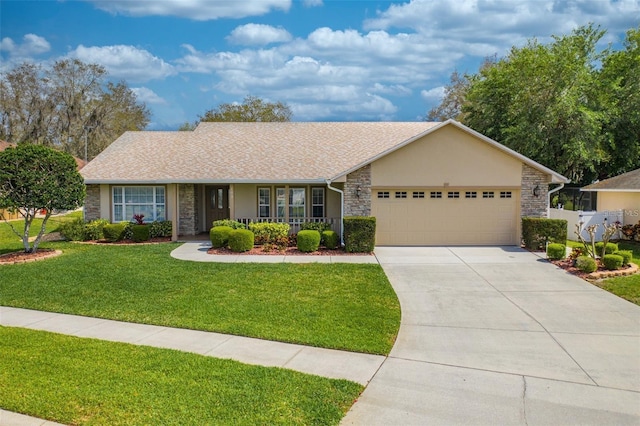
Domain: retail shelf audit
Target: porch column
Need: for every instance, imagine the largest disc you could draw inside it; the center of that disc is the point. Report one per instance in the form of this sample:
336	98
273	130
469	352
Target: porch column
232	203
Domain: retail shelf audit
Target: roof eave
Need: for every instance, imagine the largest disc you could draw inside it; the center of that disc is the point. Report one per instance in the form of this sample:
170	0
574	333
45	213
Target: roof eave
203	181
608	190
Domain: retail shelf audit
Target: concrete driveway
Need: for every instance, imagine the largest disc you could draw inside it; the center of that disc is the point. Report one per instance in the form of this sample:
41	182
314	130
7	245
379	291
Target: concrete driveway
496	335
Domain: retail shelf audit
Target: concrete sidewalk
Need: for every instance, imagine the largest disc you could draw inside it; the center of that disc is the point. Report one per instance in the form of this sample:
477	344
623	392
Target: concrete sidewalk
196	251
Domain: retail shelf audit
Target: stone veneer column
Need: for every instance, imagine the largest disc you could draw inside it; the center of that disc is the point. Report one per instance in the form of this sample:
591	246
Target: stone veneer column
92	203
187	207
530	205
354	205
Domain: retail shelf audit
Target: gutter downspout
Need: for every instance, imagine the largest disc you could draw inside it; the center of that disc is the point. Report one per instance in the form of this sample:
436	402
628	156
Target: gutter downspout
549	198
341	192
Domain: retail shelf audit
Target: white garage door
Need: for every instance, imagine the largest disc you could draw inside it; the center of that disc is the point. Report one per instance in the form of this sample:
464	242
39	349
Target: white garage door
460	216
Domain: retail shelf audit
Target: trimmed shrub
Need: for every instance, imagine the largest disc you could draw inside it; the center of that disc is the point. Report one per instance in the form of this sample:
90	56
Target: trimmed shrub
73	230
219	236
269	232
160	229
308	241
93	229
315	226
610	249
556	251
114	231
140	233
586	264
330	239
233	224
626	256
537	231
359	234
127	232
612	261
240	240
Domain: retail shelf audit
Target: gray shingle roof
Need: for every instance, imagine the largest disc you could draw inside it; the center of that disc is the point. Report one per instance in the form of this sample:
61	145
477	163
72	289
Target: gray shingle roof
629	181
247	152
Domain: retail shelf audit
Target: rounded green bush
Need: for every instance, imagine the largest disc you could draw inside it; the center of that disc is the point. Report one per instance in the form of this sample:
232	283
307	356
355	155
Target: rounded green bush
73	230
612	261
219	236
241	240
556	251
610	249
586	264
140	233
330	239
626	256
114	231
308	241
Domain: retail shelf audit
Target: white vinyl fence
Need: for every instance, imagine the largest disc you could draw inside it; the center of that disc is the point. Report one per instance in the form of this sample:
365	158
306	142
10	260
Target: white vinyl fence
587	218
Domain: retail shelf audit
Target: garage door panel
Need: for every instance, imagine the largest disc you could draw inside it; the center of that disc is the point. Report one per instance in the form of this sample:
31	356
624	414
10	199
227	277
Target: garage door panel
439	221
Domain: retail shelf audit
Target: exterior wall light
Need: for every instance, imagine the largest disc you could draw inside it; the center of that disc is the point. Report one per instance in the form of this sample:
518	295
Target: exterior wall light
536	191
358	191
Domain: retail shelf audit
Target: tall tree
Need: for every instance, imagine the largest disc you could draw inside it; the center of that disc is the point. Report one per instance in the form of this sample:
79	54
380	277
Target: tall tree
35	178
251	109
620	82
68	106
545	102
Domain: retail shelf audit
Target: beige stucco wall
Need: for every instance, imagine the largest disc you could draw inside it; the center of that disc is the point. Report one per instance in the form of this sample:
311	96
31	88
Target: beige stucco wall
245	199
629	202
105	202
447	157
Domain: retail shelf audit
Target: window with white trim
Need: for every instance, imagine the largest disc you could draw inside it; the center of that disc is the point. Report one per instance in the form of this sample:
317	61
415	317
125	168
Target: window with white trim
134	200
296	203
280	203
317	202
264	202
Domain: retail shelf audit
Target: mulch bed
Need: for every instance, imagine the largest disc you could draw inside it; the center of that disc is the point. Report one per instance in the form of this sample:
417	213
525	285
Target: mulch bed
601	273
22	257
289	251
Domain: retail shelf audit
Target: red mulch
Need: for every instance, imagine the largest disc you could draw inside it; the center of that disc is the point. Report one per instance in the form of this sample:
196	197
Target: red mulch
567	265
22	257
289	251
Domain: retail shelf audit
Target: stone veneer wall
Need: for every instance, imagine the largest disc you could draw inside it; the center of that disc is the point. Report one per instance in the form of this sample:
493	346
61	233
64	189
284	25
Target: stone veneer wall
353	205
92	203
188	209
530	205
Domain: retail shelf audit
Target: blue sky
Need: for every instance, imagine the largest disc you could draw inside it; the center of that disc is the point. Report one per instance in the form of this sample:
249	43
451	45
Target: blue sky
329	60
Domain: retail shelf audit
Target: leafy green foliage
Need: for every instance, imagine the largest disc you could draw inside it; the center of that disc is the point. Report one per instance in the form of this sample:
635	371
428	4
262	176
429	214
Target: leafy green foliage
315	226
556	251
359	234
612	261
35	178
160	229
537	231
114	231
219	236
73	230
330	239
610	248
269	232
234	224
251	109
241	240
308	241
626	255
109	383
586	264
94	230
140	233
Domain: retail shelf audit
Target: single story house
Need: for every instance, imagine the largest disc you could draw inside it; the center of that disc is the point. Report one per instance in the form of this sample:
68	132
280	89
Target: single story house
426	183
621	192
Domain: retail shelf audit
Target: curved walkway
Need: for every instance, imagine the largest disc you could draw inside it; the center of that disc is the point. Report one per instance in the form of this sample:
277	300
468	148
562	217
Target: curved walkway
496	335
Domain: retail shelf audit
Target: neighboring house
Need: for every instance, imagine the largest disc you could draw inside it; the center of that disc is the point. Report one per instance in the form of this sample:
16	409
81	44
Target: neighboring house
426	183
621	192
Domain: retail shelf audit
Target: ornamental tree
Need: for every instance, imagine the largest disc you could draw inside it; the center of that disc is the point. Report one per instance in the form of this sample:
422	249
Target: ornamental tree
35	178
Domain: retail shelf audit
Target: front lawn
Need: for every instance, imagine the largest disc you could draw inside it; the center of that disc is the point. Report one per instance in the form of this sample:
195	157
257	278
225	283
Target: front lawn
9	241
340	306
626	287
84	381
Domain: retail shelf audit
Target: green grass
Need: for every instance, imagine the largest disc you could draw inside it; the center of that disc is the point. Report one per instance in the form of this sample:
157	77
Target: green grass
11	242
84	381
626	287
341	306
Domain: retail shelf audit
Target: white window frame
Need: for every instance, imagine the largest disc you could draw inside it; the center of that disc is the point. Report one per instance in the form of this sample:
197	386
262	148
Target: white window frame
293	206
314	204
267	205
154	205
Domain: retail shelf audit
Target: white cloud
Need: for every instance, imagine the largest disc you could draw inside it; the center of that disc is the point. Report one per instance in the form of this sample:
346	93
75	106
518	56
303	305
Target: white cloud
435	94
31	45
198	10
127	62
312	3
148	96
258	34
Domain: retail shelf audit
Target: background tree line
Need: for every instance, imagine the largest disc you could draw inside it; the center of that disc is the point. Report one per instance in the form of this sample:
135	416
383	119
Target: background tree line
65	105
565	104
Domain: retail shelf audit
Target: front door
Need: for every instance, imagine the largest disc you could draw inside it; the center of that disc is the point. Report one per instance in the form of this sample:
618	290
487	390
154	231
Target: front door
217	203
